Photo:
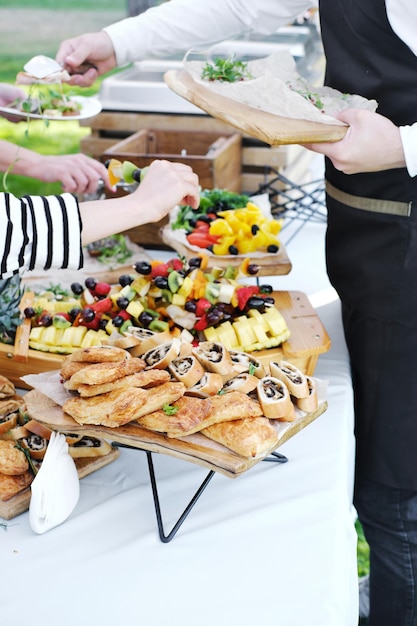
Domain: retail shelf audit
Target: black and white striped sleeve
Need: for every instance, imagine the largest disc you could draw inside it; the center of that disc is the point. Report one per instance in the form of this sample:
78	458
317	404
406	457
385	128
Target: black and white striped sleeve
39	232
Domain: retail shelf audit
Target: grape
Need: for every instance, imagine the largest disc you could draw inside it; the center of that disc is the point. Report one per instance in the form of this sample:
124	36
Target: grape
143	267
145	318
88	314
161	282
77	289
190	306
117	321
90	283
125	279
29	311
122	302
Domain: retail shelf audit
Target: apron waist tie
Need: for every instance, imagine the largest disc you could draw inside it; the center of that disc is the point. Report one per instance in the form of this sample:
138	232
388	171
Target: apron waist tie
390	207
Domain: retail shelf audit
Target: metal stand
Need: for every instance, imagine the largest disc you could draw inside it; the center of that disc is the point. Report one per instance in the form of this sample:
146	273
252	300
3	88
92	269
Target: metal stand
166	538
275	457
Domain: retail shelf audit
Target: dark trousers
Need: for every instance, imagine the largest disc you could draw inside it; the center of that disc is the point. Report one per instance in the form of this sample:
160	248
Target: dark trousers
389	520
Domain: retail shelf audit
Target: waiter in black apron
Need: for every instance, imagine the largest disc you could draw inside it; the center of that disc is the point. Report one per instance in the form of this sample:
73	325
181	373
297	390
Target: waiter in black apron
372	263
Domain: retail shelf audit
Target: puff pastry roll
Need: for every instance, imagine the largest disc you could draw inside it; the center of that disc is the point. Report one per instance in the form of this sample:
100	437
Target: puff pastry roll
187	370
162	355
144	379
250	437
98	354
214	357
294	379
243	362
148	339
208	385
187	416
112	409
7	388
159	396
35	444
310	402
12	485
244	382
275	399
7	422
107	372
88	446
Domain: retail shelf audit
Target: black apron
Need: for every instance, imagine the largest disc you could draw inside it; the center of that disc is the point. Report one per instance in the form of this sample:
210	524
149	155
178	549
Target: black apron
372	257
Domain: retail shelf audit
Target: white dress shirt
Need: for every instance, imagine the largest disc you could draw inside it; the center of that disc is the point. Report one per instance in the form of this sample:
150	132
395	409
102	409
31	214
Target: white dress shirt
179	25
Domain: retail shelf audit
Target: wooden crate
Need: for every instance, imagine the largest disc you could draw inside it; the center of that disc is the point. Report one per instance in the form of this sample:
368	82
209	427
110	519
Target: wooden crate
216	159
256	156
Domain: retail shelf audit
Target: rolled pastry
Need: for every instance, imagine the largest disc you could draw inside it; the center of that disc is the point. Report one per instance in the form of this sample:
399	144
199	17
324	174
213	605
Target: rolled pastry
243	362
294	379
162	355
7	422
148	339
187	370
310	402
214	357
244	382
208	385
36	445
275	399
89	447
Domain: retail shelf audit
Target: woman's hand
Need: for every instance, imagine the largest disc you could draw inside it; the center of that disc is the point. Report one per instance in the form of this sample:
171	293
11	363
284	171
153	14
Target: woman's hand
8	95
372	143
94	48
165	185
78	173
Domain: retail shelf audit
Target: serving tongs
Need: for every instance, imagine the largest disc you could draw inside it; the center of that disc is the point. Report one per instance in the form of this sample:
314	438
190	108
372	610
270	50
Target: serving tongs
43	68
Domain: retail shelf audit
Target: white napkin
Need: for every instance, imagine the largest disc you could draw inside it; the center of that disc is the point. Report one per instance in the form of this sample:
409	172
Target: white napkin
56	487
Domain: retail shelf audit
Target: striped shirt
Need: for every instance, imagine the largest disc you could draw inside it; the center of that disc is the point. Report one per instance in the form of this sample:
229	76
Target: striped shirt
39	232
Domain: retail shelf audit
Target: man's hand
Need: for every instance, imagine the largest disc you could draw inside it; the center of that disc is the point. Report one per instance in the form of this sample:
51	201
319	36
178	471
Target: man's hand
372	143
94	48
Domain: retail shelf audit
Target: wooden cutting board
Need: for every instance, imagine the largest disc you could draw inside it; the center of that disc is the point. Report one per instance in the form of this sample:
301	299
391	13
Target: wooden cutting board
20	502
195	448
269	264
270	128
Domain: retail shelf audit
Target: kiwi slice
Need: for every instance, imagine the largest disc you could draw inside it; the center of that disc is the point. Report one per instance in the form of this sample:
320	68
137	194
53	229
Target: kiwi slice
175	281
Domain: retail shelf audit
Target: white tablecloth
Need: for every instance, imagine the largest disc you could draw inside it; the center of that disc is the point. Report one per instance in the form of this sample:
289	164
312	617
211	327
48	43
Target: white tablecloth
276	545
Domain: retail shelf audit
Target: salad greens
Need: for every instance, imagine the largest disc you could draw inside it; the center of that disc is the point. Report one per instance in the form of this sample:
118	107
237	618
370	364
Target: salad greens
211	201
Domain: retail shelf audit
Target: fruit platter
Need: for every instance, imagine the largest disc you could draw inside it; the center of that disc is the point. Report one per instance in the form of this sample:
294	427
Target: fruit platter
227	226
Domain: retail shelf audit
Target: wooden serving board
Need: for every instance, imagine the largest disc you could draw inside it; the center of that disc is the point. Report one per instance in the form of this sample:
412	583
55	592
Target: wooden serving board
307	341
269	264
20	502
195	448
270	128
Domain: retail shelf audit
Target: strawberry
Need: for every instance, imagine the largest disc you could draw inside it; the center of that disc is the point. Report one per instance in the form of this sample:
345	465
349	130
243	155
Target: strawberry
175	264
101	289
202	305
102	306
162	269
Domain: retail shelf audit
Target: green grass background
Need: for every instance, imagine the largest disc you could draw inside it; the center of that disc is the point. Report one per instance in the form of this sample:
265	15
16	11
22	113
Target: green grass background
62	137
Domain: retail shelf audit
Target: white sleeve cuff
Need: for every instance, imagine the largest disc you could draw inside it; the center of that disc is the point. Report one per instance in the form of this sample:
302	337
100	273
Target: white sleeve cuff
409	141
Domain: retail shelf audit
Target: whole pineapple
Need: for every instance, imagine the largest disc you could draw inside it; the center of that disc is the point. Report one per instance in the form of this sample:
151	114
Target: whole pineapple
10	318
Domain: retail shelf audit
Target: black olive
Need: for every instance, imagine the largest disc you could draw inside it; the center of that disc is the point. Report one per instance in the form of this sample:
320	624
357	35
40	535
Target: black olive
161	282
265	288
125	279
214	316
205	218
255	302
77	288
272	248
254	229
103	323
136	175
122	302
210	248
29	311
233	250
90	283
117	321
143	267
74	312
190	306
145	319
269	300
88	314
192	222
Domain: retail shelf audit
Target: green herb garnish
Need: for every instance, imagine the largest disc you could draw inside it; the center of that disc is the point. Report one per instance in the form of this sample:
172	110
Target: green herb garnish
168	409
227	70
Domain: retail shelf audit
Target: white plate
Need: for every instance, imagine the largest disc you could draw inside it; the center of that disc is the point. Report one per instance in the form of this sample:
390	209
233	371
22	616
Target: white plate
89	108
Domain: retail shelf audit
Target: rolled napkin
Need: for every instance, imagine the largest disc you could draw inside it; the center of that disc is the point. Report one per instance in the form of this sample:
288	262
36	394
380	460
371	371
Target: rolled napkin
55	488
